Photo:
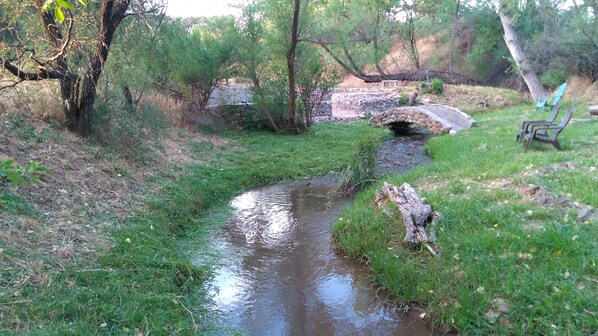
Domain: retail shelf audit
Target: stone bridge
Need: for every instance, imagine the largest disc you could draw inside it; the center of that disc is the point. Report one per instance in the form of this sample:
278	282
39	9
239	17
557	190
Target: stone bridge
438	119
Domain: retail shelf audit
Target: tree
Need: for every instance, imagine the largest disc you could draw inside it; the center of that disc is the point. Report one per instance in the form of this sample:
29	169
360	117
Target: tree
360	33
193	58
578	53
525	68
73	48
274	54
290	56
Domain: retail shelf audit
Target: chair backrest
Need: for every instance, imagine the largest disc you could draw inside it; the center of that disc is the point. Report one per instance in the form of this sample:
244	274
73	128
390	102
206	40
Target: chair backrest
555	112
566	118
561	90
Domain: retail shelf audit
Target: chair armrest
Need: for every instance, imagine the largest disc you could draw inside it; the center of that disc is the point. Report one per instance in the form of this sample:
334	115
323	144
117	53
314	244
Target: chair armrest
536	128
544	99
530	123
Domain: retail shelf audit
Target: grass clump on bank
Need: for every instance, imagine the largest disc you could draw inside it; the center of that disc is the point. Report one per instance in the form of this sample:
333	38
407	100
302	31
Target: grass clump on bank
137	281
517	246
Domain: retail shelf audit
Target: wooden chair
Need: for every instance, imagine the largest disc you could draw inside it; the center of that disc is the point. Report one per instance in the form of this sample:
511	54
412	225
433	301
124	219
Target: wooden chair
551	101
549	133
526	125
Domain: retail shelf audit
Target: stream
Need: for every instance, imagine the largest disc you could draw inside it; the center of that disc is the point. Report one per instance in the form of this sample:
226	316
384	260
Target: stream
280	274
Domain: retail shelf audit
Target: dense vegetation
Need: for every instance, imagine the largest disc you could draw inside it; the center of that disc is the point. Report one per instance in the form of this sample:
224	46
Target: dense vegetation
123	50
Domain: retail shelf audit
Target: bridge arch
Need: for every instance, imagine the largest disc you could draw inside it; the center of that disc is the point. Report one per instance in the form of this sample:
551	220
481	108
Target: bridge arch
438	119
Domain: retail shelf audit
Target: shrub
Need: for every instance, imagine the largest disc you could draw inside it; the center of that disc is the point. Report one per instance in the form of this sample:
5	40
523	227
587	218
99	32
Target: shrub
434	86
362	172
553	78
437	86
20	175
403	99
129	131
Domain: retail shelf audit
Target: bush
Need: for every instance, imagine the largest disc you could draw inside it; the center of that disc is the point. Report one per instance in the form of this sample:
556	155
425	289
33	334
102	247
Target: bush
20	175
362	172
437	86
434	86
553	78
403	99
129	131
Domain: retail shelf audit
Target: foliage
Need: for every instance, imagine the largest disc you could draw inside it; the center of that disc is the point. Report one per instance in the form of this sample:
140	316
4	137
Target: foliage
362	172
497	244
57	7
70	50
554	78
437	86
21	175
263	41
131	131
192	59
404	99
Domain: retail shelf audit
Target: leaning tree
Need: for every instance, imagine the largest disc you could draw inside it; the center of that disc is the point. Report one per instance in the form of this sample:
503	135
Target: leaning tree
56	40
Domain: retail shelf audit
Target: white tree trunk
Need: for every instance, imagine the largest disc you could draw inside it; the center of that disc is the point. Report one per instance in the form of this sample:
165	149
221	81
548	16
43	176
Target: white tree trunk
529	76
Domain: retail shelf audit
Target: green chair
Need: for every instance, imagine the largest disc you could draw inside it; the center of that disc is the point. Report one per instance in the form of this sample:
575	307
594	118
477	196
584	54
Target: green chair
550	101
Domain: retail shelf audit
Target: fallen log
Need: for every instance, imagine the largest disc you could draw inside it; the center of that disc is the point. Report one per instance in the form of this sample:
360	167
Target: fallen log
417	216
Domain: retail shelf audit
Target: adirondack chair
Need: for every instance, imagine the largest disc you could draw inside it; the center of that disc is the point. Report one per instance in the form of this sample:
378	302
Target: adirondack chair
549	133
551	101
526	125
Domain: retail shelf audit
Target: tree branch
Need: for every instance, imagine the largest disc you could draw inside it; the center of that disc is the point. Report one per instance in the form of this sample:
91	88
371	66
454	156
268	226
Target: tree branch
40	75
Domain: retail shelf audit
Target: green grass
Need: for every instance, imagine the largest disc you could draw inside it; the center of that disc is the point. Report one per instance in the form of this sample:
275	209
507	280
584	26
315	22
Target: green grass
547	276
142	282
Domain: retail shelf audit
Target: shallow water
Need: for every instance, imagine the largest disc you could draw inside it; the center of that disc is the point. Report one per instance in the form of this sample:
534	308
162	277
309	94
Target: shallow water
281	275
401	153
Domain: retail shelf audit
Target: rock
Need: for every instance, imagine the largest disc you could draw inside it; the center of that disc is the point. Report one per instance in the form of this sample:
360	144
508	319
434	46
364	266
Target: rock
501	305
585	213
594	110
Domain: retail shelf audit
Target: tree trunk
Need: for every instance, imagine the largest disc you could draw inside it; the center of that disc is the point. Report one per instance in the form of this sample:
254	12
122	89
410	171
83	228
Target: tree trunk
529	75
78	98
291	113
376	46
453	36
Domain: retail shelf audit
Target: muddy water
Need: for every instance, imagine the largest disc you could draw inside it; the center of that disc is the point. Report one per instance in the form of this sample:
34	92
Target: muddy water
281	275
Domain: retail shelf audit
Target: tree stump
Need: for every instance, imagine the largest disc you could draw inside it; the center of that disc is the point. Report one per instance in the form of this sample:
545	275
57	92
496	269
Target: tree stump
417	216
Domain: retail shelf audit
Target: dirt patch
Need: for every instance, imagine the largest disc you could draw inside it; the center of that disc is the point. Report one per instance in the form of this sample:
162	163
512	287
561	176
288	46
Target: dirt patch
472	99
542	196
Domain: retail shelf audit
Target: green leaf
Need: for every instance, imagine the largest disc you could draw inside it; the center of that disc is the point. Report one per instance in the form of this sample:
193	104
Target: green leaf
58	14
65	4
83	2
47	4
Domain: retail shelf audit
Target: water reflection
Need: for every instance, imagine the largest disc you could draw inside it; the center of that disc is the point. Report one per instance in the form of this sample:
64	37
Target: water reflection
281	276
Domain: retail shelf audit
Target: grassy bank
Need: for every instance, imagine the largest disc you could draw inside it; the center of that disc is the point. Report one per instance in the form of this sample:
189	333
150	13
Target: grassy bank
137	282
515	258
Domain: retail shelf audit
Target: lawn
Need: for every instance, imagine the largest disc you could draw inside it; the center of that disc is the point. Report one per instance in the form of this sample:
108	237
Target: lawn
515	258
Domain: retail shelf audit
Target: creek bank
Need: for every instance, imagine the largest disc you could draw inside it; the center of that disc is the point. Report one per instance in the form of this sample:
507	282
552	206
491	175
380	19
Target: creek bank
281	264
282	267
497	244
